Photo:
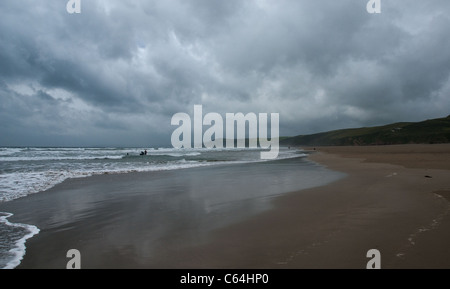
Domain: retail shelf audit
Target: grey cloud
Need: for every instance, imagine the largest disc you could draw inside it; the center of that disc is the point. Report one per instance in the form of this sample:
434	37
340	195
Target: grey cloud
120	68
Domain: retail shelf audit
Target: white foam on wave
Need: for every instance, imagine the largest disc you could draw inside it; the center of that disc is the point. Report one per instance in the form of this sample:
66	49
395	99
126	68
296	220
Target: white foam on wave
9	151
283	156
21	184
193	154
19	249
15	185
59	154
55	158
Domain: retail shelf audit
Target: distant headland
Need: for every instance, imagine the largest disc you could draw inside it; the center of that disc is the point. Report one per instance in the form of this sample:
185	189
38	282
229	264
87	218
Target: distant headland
425	132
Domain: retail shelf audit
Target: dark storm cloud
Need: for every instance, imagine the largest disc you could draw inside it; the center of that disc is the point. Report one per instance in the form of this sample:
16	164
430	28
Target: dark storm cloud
119	70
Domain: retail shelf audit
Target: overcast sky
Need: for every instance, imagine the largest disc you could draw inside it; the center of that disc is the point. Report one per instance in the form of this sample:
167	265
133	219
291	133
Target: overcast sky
116	73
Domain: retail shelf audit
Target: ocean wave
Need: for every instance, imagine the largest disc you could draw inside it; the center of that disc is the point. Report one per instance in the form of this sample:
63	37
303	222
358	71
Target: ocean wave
9	151
19	179
15	243
21	184
193	154
53	158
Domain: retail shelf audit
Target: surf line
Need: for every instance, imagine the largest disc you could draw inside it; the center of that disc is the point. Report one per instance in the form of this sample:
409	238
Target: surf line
18	252
214	136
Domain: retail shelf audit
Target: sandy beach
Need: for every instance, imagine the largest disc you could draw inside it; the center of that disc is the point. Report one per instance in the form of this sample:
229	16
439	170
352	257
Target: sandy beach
144	220
222	134
392	198
395	199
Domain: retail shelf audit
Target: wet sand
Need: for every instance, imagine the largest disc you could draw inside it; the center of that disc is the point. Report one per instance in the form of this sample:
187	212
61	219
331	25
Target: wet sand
395	199
143	220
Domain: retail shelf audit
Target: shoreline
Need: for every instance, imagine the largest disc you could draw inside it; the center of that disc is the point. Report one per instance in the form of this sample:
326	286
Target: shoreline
400	208
129	220
395	209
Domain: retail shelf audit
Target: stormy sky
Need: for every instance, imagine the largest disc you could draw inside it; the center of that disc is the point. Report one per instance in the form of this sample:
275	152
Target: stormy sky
115	74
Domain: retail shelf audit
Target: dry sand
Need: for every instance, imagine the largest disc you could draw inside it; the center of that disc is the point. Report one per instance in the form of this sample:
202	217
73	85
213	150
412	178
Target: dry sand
395	199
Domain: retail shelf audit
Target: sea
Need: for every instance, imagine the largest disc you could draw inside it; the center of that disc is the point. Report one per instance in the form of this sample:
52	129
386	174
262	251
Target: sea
31	170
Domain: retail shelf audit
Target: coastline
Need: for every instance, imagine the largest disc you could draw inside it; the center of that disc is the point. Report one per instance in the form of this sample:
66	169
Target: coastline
394	199
143	220
403	211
